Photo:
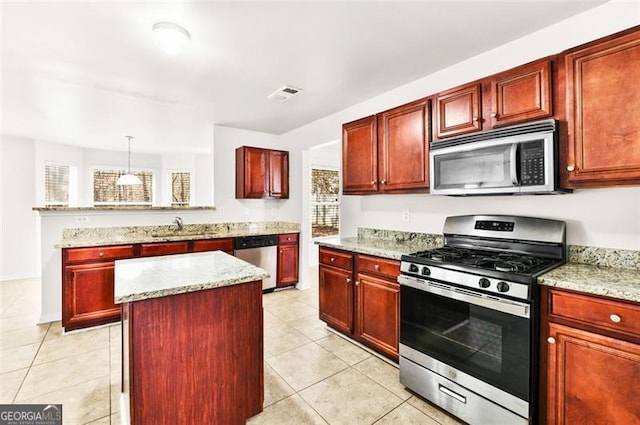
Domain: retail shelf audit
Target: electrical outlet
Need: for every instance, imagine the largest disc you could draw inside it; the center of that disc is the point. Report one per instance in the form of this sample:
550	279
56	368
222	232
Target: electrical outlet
406	215
83	219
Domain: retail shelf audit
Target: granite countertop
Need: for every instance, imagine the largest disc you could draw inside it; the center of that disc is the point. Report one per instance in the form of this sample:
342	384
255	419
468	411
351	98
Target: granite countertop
384	243
101	236
610	282
153	277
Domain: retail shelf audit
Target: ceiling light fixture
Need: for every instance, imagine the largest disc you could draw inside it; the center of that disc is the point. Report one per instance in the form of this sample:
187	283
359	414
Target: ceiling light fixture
128	179
171	37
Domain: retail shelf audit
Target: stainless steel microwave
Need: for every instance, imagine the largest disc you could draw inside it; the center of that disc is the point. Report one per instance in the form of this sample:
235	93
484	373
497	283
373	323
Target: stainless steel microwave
520	159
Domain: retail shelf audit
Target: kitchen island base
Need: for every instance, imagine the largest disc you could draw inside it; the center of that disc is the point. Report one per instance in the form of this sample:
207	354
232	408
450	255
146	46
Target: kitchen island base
194	358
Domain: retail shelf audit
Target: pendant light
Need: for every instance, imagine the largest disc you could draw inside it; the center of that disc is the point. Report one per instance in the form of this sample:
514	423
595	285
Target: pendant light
129	178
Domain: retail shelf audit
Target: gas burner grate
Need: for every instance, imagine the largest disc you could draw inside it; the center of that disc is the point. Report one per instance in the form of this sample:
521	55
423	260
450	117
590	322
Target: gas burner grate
446	254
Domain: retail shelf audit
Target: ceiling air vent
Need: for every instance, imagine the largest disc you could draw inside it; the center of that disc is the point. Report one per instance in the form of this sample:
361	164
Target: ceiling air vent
284	93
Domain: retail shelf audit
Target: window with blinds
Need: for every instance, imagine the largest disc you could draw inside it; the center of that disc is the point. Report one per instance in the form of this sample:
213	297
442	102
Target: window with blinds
180	188
325	205
56	184
107	192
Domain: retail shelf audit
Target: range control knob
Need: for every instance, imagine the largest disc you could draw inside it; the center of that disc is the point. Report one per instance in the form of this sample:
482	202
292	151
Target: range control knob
413	268
484	282
503	286
426	271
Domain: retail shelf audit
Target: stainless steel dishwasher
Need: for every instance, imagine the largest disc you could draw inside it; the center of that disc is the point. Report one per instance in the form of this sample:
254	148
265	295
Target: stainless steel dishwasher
261	251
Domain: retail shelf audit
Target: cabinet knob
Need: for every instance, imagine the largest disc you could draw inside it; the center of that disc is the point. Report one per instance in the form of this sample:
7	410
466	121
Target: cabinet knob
281	251
383	182
376	266
333	259
475	119
615	318
494	115
373	182
101	254
348	280
571	167
551	340
357	282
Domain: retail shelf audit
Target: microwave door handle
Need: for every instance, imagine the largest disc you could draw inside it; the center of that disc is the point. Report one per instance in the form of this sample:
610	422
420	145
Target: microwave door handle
512	163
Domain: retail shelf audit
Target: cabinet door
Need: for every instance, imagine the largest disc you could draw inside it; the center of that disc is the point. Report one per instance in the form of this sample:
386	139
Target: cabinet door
336	298
602	106
378	312
88	298
593	379
252	178
458	111
360	156
521	94
287	265
279	174
403	147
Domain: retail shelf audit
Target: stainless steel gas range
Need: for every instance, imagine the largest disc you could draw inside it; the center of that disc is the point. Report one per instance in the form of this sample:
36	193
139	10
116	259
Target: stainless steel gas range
469	316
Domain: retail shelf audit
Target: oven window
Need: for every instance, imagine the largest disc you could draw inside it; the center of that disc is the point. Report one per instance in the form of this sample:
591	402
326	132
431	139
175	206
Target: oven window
487	344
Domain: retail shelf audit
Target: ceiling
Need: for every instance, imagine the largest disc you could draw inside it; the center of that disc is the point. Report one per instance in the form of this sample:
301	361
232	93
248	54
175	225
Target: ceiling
88	73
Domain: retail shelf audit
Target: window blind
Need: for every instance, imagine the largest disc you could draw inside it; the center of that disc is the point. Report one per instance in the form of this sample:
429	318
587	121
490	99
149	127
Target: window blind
56	184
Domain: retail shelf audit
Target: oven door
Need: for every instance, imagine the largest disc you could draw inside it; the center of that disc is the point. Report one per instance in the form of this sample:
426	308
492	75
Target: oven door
486	339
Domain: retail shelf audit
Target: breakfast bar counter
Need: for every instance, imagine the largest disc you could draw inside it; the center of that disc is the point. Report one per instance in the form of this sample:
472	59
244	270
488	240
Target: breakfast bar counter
192	330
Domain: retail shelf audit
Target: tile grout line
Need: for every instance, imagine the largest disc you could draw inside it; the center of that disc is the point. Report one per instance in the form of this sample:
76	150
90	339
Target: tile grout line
31	364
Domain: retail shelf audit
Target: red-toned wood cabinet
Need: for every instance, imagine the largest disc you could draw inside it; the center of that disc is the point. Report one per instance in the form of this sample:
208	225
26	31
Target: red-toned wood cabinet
87	285
288	260
592	348
261	173
389	152
360	297
335	286
378	304
603	110
88	277
360	156
458	111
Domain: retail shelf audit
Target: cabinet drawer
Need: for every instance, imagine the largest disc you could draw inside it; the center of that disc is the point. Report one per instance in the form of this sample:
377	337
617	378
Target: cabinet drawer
165	248
288	239
606	314
379	266
99	253
336	258
213	245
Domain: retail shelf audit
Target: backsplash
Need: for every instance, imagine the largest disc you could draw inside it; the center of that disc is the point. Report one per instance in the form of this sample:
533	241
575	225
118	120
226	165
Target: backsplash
606	257
399	236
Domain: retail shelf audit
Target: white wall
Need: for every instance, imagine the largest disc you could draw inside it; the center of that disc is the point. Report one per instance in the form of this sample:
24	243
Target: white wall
606	217
18	224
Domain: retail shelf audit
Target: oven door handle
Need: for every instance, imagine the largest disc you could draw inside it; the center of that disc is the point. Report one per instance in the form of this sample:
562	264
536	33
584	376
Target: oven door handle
502	305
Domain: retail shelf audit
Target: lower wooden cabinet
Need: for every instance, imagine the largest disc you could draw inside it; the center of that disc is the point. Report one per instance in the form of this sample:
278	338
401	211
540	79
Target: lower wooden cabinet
336	298
288	260
591	353
87	298
360	296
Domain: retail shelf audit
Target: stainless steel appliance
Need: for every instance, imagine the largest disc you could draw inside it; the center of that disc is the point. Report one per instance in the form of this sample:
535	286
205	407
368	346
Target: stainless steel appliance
468	316
261	251
520	159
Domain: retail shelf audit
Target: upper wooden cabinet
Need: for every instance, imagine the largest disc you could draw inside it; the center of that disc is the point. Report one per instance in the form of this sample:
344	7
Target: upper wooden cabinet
388	152
360	156
603	111
403	147
458	111
521	94
261	173
517	95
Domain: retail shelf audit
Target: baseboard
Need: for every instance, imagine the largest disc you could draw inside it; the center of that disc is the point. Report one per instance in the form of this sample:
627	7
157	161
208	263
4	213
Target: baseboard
18	276
47	318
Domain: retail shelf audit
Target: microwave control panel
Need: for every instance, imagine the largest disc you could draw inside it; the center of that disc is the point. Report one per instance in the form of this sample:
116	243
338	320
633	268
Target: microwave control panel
532	163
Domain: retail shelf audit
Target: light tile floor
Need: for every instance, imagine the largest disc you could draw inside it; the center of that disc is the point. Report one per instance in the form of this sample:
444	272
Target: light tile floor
312	376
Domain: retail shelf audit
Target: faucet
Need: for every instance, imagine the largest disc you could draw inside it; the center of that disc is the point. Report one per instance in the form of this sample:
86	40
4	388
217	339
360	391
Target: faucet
178	222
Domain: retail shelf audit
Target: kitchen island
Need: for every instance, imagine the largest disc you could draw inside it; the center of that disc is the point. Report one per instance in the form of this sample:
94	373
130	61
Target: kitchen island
192	331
